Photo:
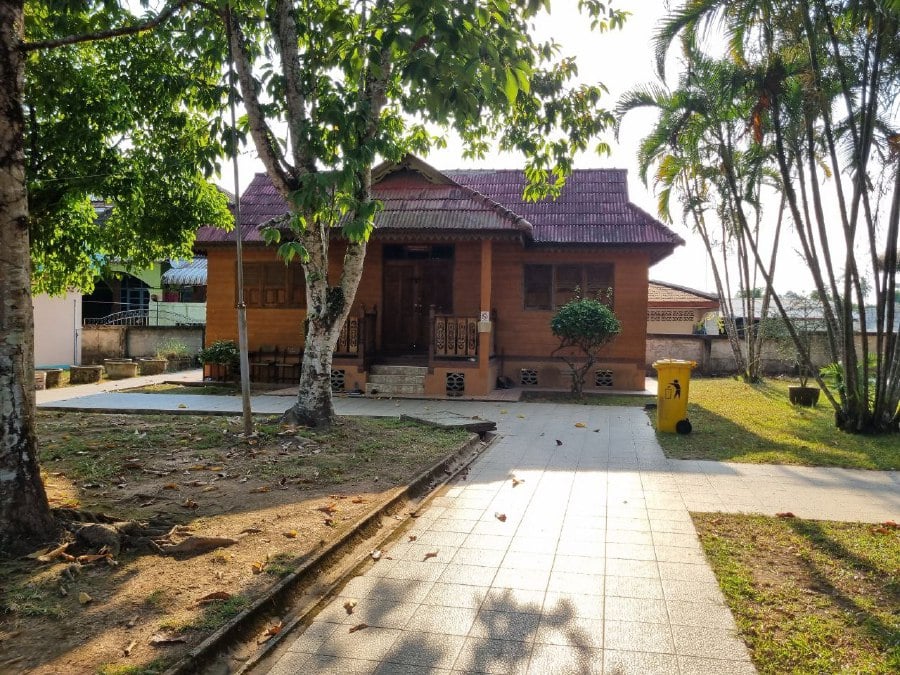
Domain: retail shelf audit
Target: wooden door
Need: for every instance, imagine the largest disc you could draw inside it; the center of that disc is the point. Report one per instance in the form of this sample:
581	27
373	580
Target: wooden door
411	289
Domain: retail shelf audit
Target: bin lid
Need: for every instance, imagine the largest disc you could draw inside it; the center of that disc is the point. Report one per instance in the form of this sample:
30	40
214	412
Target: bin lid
674	362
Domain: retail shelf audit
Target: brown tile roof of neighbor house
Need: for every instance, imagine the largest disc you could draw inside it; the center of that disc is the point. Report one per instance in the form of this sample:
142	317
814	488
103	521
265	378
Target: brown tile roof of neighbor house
661	294
593	208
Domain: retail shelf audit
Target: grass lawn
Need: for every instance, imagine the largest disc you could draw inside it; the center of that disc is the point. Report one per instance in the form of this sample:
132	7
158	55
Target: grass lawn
809	596
740	422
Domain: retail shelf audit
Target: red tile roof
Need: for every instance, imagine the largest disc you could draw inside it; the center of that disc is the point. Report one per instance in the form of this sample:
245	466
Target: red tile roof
661	294
593	208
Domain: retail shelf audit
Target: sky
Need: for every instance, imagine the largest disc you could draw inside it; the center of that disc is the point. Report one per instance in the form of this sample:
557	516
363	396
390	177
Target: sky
621	60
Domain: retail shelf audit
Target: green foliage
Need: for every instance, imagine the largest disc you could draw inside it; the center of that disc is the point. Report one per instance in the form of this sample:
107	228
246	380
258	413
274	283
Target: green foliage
131	124
171	347
584	325
796	103
224	352
586	322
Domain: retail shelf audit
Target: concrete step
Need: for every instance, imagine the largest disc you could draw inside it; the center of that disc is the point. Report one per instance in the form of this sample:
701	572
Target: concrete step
373	389
377	378
399	370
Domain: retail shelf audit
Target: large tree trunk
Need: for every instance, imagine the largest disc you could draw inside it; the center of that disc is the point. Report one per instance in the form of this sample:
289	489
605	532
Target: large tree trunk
327	308
24	511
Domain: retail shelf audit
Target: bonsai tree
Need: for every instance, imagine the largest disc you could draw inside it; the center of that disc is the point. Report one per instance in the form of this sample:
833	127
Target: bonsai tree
583	326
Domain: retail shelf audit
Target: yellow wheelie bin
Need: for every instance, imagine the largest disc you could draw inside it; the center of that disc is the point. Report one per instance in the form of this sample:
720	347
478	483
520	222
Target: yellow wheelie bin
673	385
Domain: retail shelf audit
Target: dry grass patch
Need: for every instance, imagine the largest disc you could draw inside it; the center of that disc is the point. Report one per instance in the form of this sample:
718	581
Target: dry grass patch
281	495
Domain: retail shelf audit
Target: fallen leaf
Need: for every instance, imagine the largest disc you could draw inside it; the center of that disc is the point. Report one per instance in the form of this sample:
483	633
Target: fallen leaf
358	500
182	405
580	425
516	481
430	554
521	417
412	537
558	442
329	509
257	567
503	412
271	632
212	597
260	490
785	514
251	530
84	598
92	558
358	626
891	524
49	555
329	522
171	486
349	605
290	534
189	504
500	516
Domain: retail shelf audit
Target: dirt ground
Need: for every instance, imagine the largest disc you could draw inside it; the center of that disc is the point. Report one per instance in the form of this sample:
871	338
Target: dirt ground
273	498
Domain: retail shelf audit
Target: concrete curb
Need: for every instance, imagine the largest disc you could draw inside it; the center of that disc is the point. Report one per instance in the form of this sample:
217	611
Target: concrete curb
278	596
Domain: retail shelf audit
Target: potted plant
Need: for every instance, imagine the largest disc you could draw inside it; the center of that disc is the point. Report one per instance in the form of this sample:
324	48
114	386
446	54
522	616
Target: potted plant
805	313
220	360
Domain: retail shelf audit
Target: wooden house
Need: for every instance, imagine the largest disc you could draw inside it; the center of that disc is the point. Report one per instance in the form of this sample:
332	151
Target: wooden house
461	279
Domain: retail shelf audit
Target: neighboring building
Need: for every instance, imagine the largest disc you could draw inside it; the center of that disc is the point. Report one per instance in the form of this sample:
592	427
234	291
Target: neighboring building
170	293
677	310
461	276
57	330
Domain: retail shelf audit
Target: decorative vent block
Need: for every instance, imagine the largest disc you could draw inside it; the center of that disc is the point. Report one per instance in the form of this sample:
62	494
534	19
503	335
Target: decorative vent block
671	315
456	384
528	377
338	377
603	378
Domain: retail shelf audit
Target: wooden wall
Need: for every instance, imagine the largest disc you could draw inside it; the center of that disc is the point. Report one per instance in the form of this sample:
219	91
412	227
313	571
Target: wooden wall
522	336
522	332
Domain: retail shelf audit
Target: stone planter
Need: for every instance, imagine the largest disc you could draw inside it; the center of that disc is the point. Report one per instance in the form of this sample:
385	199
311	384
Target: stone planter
85	374
152	366
40	380
805	396
53	376
119	369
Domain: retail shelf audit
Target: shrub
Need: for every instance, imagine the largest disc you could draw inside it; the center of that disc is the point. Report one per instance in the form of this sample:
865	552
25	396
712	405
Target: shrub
583	327
224	352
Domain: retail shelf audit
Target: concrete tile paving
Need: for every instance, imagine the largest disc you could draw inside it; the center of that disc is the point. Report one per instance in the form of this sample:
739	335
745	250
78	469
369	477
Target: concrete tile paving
573	581
596	568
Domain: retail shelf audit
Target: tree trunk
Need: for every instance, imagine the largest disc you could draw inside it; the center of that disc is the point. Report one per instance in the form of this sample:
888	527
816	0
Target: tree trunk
24	511
327	310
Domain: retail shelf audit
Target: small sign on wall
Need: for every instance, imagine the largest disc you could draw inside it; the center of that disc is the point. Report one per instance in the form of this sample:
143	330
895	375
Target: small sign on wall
485	316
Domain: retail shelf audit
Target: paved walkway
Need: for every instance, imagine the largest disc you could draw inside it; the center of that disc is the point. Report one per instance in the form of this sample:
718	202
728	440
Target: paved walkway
594	567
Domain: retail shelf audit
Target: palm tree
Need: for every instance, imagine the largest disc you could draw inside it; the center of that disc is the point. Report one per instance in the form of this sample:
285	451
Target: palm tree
826	77
705	158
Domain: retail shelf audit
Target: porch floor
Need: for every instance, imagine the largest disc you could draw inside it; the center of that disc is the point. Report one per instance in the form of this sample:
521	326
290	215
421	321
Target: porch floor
499	395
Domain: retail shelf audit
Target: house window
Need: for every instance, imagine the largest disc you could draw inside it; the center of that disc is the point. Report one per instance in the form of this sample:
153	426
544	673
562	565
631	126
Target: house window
274	284
552	286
